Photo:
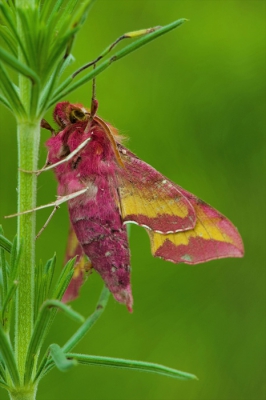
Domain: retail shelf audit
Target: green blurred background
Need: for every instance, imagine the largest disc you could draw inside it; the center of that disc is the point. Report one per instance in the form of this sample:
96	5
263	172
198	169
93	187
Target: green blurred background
193	105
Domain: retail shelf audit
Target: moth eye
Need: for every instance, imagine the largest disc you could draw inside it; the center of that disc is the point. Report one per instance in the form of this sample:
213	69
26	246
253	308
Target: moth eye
76	115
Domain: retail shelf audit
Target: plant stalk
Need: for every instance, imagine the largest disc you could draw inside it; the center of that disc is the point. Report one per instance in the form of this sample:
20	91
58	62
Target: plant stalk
25	393
28	147
28	136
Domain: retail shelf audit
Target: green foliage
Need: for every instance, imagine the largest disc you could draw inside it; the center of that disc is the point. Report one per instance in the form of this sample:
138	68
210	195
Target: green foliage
37	42
44	37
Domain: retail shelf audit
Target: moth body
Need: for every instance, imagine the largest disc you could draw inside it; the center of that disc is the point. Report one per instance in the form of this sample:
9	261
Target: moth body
95	215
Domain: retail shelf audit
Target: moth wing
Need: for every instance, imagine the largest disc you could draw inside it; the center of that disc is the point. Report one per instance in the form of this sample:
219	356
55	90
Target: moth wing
74	249
149	199
213	237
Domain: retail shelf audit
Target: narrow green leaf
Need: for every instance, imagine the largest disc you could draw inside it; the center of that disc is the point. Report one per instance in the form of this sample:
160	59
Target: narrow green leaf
12	6
14	250
40	279
117	56
4	101
63	20
35	96
30	25
14	63
4	276
47	364
7	355
5	243
60	50
8	298
61	89
131	364
49	9
82	331
10	92
12	284
49	269
82	13
66	23
56	55
60	360
10	20
43	280
2	369
42	326
3	385
64	279
67	309
56	9
9	39
47	93
3	266
14	258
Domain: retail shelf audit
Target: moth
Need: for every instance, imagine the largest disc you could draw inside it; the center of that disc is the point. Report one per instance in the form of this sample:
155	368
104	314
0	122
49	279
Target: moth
107	187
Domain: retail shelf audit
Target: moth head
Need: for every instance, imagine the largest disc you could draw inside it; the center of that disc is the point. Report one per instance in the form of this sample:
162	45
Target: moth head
66	114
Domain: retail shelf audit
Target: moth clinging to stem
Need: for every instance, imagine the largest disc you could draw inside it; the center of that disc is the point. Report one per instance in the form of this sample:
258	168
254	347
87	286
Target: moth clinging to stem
118	188
107	186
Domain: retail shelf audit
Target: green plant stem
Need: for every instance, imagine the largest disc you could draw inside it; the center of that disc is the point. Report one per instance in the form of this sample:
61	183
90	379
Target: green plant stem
28	149
25	393
28	145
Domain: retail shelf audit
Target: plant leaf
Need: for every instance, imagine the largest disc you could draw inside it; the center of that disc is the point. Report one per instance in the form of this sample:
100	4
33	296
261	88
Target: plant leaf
87	325
3	385
42	326
49	10
7	299
9	39
14	63
64	279
10	92
60	360
67	309
3	265
47	92
82	12
5	244
130	364
14	258
49	270
4	101
122	53
47	364
10	20
7	355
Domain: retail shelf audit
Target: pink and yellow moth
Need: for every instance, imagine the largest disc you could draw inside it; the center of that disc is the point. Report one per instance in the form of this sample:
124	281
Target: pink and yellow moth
107	186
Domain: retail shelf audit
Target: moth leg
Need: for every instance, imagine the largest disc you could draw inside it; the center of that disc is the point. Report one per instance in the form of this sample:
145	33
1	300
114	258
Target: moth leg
47	126
47	222
128	35
60	200
67	158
